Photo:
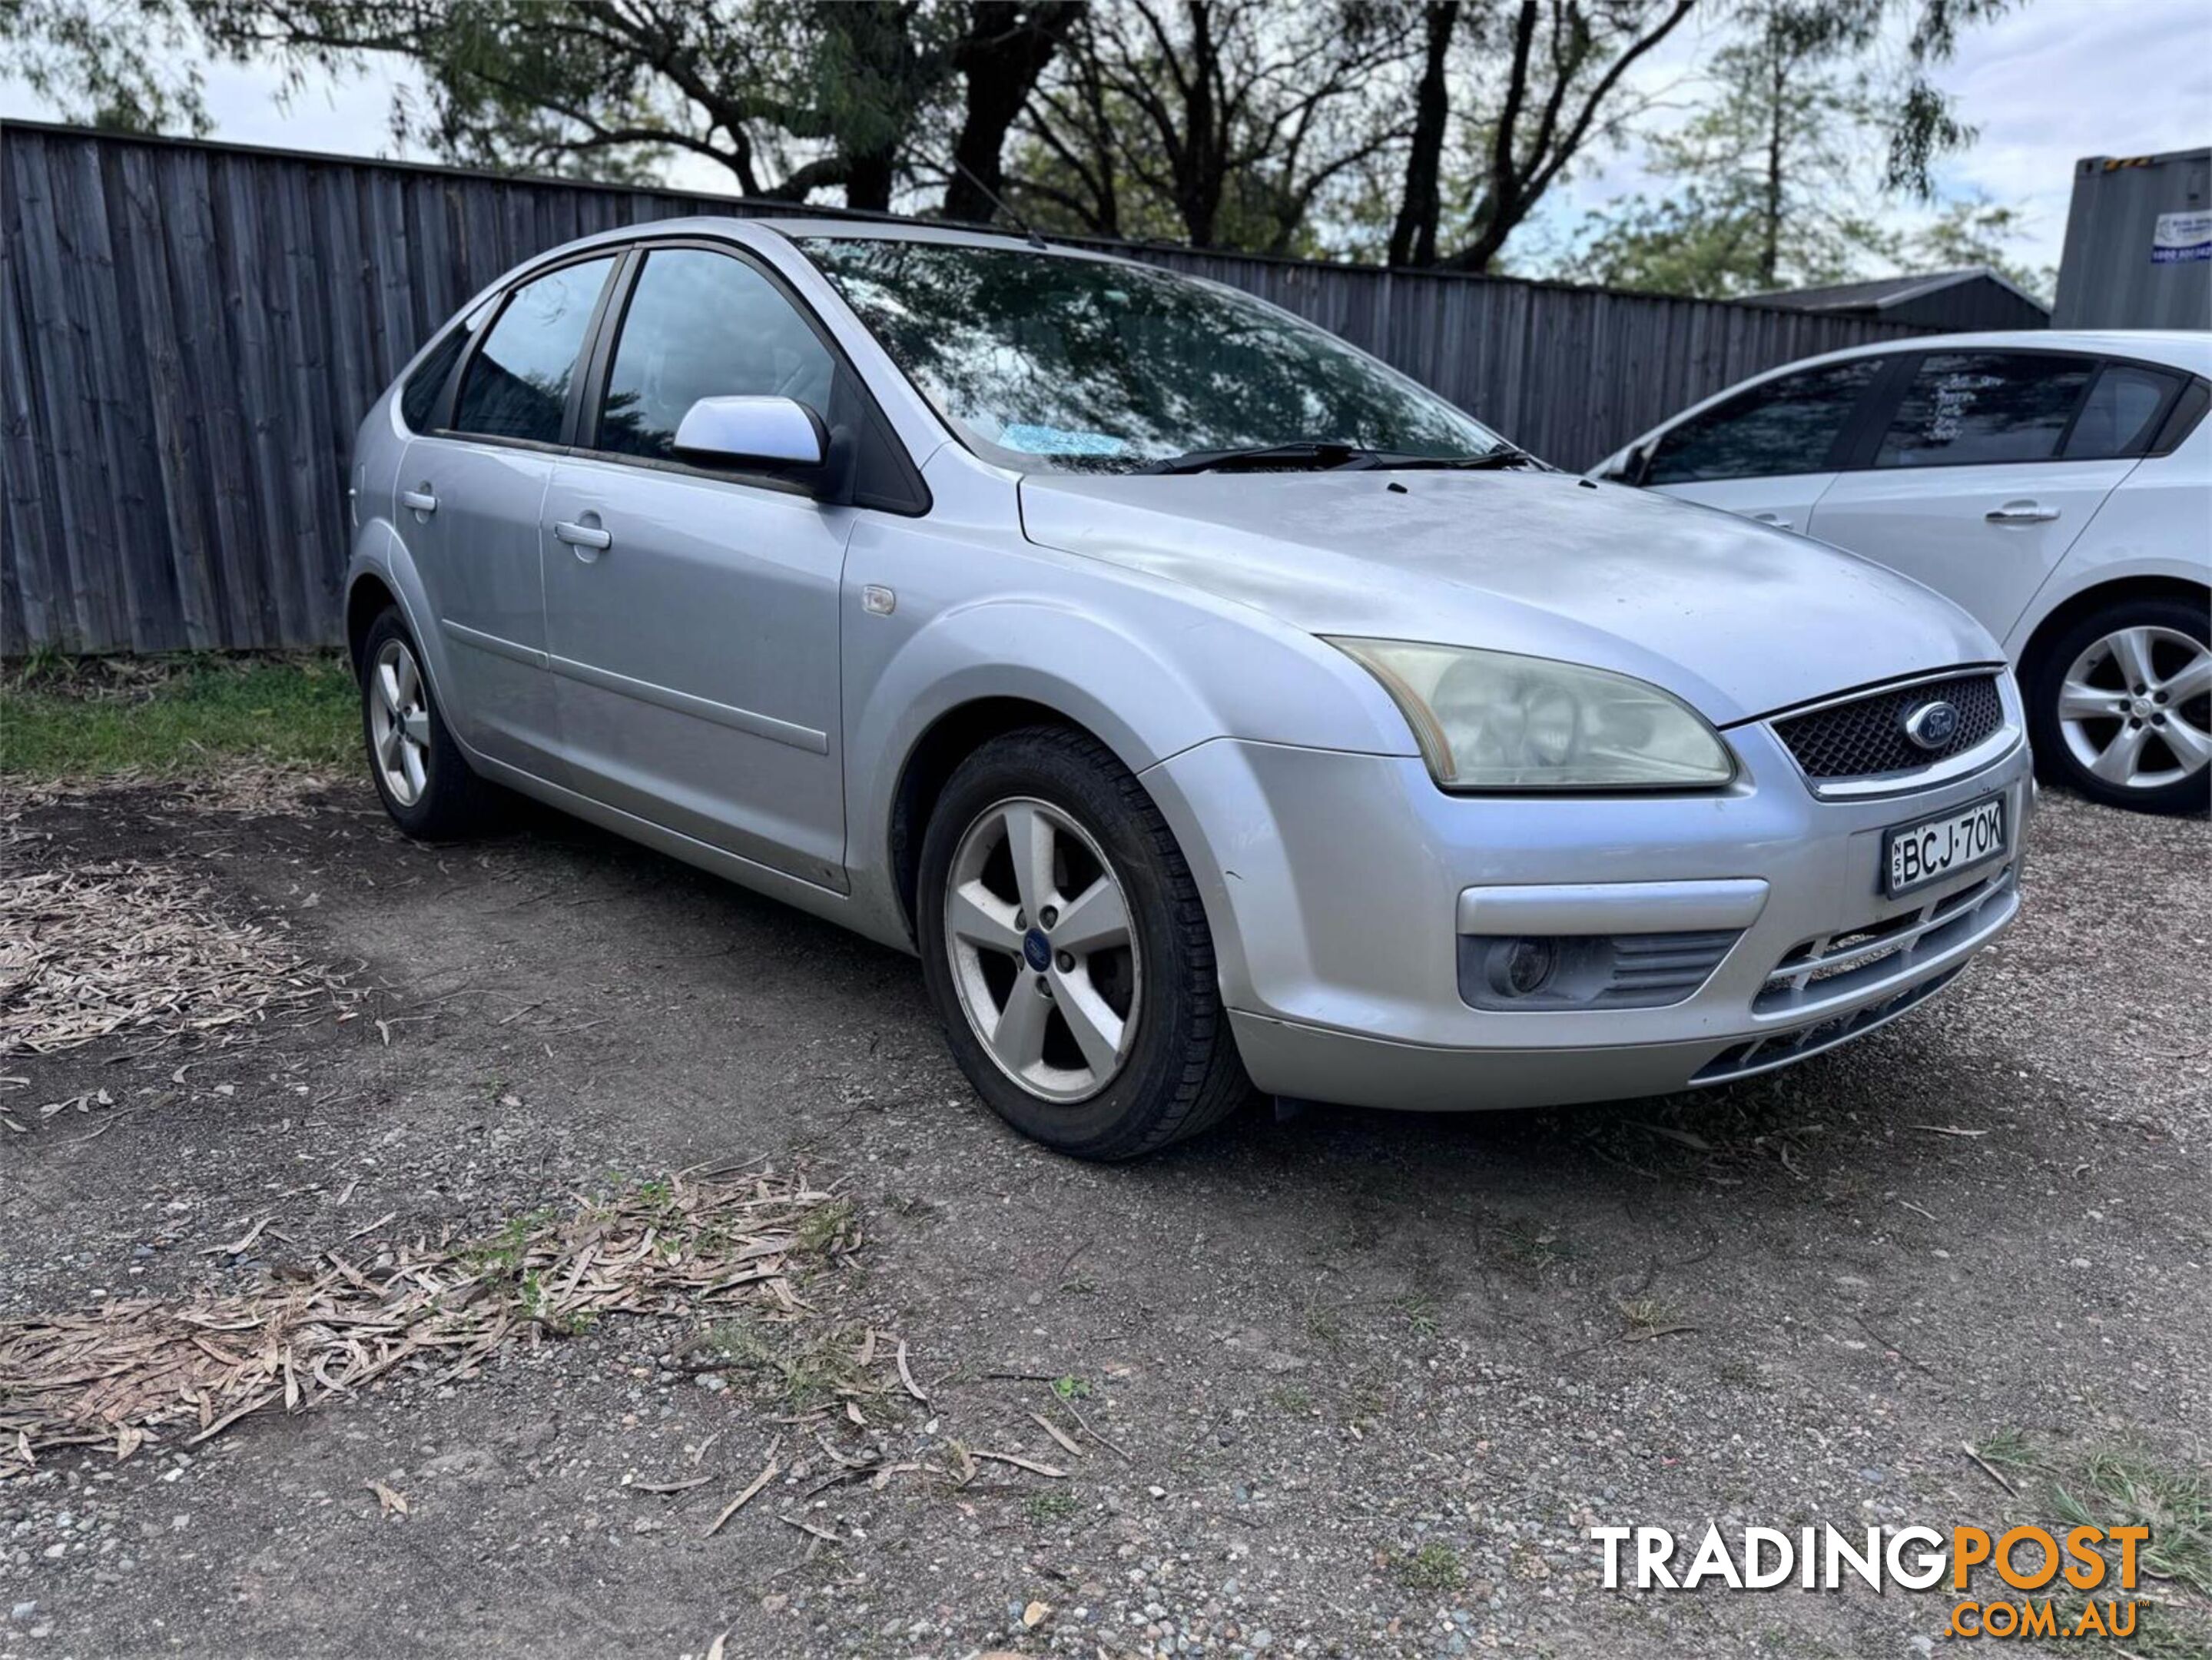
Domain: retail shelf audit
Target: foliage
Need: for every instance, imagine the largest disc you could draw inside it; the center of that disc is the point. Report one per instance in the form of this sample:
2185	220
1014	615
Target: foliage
1782	177
177	715
1428	132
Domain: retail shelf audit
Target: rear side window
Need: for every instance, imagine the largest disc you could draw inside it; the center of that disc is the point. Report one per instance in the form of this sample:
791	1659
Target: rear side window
704	324
419	398
1785	425
2121	415
518	386
1985	406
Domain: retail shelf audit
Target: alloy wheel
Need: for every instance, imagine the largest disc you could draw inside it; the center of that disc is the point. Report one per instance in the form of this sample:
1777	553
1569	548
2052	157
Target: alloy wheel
2135	708
1043	953
399	722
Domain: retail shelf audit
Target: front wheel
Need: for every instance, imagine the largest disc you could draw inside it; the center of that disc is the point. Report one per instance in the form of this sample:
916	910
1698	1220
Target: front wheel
2121	706
1064	944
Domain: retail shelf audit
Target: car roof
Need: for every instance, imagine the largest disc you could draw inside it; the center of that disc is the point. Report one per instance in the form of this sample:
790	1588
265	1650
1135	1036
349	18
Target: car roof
796	228
2188	348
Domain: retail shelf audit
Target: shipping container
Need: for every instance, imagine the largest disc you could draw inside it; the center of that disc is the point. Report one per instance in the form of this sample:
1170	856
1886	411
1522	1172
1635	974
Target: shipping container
2138	250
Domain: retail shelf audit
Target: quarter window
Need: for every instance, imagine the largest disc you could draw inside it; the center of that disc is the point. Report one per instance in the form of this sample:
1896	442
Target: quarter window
518	386
1788	424
1985	406
2120	415
704	324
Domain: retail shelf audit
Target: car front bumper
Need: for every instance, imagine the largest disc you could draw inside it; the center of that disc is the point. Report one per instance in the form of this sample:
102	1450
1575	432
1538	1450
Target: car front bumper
1339	887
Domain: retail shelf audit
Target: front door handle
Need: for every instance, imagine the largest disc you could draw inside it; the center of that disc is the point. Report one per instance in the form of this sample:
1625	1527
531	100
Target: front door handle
2020	513
420	499
583	536
1773	519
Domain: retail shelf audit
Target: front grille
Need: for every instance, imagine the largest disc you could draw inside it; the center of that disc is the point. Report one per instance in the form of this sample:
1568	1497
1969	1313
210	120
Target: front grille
1840	965
1866	736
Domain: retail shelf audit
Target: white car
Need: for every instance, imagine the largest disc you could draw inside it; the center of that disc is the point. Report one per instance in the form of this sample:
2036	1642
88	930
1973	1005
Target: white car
2057	485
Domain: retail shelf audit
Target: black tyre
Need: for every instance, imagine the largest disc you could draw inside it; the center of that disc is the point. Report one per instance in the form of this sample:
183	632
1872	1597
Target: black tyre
1063	942
419	771
2120	705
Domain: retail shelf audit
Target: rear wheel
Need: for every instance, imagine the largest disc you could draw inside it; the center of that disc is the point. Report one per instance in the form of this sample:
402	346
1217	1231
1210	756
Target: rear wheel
2122	706
420	773
1066	949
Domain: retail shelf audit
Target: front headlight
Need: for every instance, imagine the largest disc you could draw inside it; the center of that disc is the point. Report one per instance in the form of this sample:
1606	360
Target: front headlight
1494	720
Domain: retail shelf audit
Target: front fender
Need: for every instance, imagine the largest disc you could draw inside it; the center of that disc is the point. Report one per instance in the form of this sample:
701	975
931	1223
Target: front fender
1148	670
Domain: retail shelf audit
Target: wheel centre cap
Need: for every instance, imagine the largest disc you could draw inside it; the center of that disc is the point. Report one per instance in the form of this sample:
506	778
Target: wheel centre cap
1036	950
2140	708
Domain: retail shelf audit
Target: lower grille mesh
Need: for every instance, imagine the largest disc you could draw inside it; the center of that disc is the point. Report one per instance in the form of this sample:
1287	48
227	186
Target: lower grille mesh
1837	964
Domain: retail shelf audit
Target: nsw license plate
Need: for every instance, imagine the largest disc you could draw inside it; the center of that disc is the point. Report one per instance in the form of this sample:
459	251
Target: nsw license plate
1913	855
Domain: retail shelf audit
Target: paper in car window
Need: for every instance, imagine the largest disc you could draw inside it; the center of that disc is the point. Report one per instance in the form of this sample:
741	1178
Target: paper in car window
1058	440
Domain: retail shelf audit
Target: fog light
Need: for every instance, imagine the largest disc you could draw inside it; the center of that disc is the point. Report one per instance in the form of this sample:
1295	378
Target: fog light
1522	967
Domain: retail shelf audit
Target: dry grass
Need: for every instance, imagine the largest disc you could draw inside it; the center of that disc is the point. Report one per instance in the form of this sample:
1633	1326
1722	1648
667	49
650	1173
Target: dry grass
129	948
142	1371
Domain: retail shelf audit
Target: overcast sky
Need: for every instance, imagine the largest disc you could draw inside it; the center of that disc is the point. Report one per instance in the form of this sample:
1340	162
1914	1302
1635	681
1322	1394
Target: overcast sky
2055	80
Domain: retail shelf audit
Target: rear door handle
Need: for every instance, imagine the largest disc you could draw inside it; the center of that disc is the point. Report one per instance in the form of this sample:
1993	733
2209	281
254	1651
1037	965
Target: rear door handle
421	501
583	536
2020	513
1773	519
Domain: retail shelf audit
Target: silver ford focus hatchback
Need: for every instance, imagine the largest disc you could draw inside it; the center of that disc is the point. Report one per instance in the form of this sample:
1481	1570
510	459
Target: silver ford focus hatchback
1208	705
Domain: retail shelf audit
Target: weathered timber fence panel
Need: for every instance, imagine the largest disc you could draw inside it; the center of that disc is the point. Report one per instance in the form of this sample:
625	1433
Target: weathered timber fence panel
192	330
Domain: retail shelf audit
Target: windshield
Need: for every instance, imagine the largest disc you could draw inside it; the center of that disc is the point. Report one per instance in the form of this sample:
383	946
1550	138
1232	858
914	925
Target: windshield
1042	361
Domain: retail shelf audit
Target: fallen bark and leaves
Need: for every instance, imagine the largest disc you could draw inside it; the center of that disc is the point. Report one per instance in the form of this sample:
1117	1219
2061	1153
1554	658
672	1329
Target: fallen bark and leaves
128	948
140	1372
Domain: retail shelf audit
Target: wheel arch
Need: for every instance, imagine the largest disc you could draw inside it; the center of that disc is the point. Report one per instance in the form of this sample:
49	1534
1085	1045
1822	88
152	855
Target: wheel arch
368	597
930	762
2087	602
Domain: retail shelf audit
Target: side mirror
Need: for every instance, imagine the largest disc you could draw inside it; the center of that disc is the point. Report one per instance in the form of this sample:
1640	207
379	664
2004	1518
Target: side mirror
766	435
1629	470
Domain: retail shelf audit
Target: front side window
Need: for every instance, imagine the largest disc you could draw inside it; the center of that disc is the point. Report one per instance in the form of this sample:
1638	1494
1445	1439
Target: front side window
704	325
1063	363
1990	407
518	386
1786	425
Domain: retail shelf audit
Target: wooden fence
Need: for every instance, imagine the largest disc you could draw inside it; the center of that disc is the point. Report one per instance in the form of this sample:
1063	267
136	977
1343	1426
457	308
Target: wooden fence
192	330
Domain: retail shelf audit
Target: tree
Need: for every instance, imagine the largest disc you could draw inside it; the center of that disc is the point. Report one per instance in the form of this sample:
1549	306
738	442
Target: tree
126	65
1559	86
791	99
1421	206
1780	179
1228	119
999	58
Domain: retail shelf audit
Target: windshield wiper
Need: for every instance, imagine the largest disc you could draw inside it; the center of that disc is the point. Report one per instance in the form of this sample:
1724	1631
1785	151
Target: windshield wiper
1506	455
1322	454
1329	455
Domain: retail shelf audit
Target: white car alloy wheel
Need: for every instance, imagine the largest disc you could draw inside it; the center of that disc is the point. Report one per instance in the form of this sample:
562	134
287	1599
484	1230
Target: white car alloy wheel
399	722
2133	708
1038	936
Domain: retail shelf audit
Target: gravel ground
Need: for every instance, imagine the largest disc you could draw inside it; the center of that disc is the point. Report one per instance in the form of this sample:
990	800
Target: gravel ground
1365	1378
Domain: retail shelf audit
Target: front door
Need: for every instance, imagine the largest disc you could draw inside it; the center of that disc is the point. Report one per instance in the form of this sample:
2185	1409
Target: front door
469	501
692	617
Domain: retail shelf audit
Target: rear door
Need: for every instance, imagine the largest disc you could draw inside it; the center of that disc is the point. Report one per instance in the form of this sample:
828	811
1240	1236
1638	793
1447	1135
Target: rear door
1771	451
693	614
470	496
1989	466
